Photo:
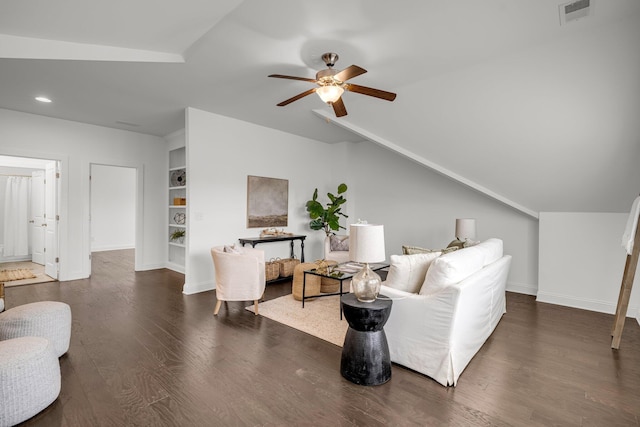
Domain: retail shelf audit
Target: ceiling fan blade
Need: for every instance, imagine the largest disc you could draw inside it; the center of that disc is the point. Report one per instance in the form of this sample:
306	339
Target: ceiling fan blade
281	76
349	73
339	108
298	96
387	96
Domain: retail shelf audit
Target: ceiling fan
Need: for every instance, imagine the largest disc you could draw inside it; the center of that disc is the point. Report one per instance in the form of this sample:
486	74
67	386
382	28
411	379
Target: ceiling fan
332	84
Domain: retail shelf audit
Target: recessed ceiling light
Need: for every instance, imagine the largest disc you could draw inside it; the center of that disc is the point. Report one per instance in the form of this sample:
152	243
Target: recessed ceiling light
43	99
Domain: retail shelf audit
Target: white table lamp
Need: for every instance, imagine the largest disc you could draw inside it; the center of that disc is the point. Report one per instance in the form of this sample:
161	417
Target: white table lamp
366	245
465	229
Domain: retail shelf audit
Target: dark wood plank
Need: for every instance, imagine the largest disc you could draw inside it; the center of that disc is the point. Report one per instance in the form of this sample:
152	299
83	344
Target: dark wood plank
142	353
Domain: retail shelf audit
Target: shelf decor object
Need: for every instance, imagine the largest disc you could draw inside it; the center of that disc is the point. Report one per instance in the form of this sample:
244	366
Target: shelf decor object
178	236
366	246
178	178
180	218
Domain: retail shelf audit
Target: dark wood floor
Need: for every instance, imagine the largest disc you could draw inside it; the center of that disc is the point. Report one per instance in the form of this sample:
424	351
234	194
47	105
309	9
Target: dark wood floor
142	353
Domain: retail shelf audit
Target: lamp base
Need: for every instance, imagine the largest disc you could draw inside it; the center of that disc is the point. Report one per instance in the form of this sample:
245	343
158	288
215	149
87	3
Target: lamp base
366	284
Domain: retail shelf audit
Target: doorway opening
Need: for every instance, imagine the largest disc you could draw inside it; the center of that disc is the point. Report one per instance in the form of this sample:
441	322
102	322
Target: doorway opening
113	213
29	189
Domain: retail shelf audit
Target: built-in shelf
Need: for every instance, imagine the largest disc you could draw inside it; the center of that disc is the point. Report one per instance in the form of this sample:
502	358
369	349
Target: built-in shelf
177	189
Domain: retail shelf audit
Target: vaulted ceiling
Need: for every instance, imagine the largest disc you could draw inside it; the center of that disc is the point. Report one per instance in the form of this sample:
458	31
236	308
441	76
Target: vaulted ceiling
495	93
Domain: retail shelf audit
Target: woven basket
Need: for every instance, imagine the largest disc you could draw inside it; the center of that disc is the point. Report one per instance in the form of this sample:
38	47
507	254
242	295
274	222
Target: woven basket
312	287
287	265
272	270
328	285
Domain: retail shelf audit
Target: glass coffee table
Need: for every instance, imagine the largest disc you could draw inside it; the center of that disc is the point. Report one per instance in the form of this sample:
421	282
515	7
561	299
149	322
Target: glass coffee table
340	273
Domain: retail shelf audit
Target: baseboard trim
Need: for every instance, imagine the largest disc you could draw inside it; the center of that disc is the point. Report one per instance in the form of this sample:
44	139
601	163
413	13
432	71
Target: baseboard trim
194	288
111	248
583	303
522	288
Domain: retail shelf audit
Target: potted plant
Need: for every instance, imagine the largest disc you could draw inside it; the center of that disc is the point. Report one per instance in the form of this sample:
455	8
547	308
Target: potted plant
327	218
178	235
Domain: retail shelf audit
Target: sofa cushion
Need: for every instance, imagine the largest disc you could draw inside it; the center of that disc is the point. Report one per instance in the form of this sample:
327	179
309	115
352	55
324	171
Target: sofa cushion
407	272
339	243
412	250
462	244
456	266
492	249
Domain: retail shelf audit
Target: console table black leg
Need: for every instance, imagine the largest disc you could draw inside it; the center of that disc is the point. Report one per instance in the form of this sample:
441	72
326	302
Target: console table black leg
301	250
293	255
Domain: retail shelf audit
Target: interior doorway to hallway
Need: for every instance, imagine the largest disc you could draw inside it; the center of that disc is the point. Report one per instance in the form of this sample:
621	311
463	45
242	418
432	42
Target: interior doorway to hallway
113	209
29	194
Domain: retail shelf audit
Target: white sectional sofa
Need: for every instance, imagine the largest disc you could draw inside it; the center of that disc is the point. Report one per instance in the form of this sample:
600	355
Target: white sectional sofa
445	307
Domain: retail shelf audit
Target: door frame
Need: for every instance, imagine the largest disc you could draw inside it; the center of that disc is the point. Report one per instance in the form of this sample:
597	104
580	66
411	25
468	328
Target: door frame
36	220
59	162
139	200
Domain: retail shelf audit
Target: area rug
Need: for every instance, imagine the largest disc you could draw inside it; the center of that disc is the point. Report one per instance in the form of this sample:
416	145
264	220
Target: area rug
320	317
17	274
33	273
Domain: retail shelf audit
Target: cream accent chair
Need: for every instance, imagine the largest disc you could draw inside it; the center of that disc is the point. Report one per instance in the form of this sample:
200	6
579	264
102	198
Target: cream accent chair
338	256
239	276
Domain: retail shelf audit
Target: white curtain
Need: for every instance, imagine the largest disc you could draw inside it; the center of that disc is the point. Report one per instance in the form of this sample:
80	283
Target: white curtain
16	216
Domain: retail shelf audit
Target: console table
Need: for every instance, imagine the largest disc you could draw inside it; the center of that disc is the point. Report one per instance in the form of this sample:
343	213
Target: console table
253	241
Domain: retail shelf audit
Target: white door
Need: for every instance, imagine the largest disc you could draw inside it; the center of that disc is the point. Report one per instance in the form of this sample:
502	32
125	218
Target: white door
51	221
37	217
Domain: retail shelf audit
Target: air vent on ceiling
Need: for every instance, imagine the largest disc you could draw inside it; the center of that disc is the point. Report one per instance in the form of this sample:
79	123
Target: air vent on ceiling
573	11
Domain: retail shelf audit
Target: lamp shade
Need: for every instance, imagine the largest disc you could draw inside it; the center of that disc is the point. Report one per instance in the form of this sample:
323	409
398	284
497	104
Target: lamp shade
366	243
330	93
465	228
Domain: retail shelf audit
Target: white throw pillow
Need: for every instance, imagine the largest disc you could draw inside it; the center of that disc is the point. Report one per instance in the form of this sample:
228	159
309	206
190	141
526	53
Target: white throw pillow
491	249
407	272
456	266
451	268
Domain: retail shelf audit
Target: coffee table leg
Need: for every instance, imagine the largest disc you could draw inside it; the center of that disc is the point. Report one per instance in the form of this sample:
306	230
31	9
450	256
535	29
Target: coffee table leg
304	285
339	298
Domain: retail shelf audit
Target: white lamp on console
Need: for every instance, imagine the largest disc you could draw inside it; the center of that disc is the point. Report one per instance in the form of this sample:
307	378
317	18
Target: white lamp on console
366	246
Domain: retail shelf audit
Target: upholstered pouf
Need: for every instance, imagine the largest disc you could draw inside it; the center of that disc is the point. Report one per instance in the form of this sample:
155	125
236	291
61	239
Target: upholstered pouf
46	319
29	378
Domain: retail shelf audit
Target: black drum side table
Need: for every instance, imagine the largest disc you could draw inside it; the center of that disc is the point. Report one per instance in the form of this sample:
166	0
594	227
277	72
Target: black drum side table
365	354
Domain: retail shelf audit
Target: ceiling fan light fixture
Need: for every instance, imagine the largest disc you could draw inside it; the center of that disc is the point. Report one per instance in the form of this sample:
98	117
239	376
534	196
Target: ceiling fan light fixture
330	93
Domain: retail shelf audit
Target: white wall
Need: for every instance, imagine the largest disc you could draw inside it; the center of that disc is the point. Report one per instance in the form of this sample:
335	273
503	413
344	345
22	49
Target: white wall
77	146
221	152
417	206
113	208
582	261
